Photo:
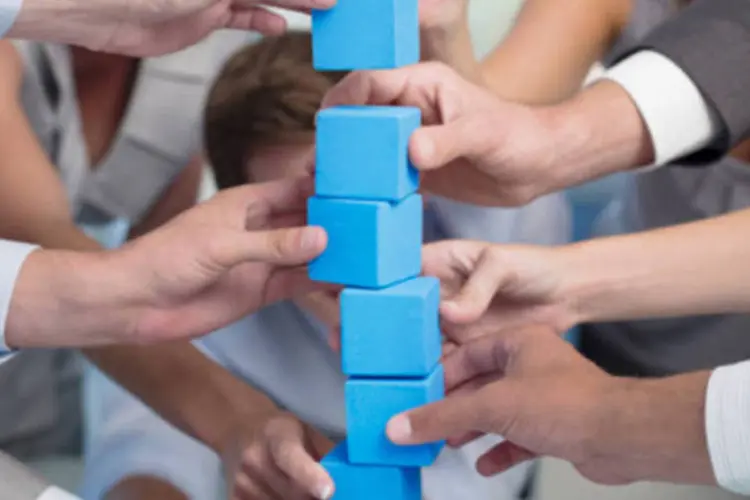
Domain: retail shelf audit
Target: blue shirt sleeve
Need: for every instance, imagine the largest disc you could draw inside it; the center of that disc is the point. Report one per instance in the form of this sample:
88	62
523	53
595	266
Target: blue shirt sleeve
9	10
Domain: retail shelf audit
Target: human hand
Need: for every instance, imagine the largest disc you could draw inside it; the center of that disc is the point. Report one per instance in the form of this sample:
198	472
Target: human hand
533	388
487	287
476	148
148	27
278	459
222	260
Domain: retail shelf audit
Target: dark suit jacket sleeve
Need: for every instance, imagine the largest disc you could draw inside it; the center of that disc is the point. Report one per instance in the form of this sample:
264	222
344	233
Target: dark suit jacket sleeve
710	41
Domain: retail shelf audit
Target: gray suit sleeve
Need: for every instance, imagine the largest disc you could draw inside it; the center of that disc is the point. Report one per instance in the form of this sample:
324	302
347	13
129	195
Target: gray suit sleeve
710	41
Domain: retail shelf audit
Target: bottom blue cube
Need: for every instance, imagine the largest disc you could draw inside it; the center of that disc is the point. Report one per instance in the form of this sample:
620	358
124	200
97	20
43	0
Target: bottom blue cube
370	404
370	482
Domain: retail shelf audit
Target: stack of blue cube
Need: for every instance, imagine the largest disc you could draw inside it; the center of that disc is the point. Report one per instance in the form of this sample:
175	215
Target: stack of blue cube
366	199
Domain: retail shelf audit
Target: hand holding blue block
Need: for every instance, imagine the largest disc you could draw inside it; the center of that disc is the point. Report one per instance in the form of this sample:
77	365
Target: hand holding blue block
362	152
370	482
393	332
366	34
370	404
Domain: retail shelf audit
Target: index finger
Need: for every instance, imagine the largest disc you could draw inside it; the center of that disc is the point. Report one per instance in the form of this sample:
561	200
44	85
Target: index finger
453	416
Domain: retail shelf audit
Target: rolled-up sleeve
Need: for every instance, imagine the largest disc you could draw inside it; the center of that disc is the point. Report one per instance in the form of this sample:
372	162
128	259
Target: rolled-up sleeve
678	118
728	426
12	257
9	10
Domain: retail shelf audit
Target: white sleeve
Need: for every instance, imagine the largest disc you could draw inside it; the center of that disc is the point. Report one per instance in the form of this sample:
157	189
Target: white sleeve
728	426
678	118
54	493
12	257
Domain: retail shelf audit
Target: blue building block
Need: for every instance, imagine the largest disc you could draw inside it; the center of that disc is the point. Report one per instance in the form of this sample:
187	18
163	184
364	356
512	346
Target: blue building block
362	152
393	332
370	482
370	403
366	34
371	244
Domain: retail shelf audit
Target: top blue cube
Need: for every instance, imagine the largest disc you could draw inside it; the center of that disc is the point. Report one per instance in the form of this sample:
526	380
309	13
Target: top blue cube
366	34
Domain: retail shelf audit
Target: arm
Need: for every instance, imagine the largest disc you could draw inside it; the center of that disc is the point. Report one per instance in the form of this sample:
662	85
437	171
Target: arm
691	269
33	201
186	388
709	41
547	54
697	268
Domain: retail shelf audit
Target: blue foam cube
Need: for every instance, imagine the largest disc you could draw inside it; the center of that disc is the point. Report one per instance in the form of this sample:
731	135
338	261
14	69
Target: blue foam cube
370	403
370	482
393	332
366	34
371	244
362	152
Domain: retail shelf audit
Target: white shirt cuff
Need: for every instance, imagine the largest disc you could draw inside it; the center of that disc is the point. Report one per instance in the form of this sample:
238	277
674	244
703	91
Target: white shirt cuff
12	257
677	117
53	493
9	10
728	426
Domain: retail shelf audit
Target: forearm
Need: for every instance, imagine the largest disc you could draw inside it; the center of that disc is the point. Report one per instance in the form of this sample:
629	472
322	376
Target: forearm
696	268
71	299
58	20
585	145
190	391
552	47
655	430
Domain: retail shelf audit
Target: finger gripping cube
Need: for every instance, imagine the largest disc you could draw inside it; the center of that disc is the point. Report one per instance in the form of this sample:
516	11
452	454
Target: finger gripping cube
370	482
362	152
371	244
370	404
366	34
392	332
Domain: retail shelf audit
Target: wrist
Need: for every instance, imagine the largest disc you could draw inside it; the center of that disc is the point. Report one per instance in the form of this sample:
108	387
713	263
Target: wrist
245	413
68	299
654	429
587	145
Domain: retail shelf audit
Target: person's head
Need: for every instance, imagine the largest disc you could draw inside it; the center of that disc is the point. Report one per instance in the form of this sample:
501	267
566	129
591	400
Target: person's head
260	114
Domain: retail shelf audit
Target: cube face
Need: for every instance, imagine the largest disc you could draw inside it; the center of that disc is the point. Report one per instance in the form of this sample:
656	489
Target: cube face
362	153
393	332
370	403
370	482
371	244
366	34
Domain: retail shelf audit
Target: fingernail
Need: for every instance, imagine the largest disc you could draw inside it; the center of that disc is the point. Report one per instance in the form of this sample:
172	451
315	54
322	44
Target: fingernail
399	429
425	150
311	239
325	492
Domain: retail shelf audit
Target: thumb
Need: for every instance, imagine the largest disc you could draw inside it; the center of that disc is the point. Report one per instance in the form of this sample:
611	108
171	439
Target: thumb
452	416
433	147
288	246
